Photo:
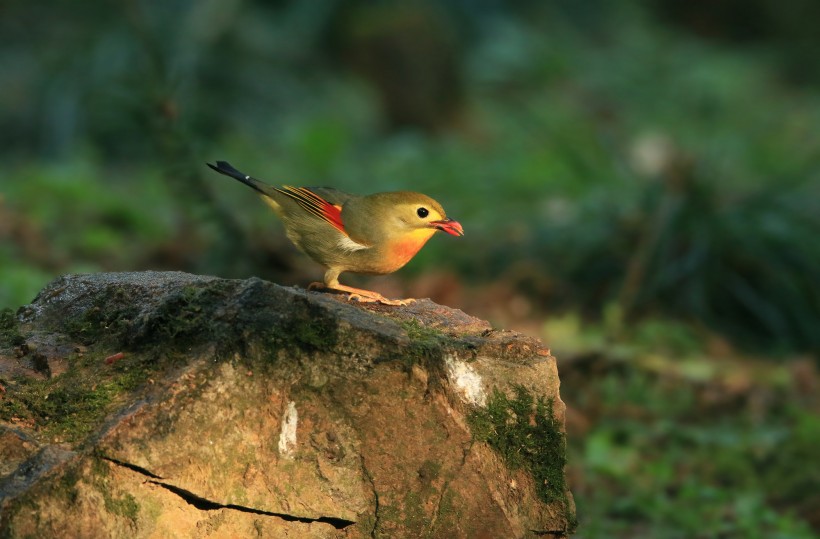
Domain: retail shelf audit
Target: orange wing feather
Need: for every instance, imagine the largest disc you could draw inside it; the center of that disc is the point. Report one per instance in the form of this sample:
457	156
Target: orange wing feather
316	205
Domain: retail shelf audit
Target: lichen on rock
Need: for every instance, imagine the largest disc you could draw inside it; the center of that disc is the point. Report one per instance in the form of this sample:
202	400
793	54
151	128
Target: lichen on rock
166	404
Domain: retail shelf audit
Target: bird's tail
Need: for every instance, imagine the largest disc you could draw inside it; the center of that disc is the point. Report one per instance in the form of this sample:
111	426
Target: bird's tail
223	167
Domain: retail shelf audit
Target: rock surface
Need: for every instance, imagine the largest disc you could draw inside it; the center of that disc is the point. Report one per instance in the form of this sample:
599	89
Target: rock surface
172	405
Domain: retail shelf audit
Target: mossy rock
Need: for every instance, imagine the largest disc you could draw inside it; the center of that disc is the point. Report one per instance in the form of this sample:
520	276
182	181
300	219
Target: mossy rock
246	408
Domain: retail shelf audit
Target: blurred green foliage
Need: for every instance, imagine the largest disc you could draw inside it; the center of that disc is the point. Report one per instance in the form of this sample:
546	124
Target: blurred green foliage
645	172
677	440
674	474
614	157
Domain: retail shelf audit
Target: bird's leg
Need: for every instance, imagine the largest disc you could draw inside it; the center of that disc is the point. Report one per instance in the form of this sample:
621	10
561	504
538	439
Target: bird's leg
368	296
365	296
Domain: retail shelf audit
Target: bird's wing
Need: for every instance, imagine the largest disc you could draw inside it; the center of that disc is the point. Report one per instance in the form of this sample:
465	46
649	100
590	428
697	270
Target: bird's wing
317	205
323	202
334	196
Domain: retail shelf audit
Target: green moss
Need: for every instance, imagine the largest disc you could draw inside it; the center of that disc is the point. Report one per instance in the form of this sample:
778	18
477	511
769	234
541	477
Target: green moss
314	333
58	408
109	317
176	324
71	405
524	431
425	342
181	318
197	314
10	335
114	318
422	334
67	485
125	505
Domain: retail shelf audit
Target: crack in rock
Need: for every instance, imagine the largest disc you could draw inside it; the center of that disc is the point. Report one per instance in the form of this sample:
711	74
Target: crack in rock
204	504
134	467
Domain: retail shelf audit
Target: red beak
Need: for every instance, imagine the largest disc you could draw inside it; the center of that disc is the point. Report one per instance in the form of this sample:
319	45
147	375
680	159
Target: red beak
449	226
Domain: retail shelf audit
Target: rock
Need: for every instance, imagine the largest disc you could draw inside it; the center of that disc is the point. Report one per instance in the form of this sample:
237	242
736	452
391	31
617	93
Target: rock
174	405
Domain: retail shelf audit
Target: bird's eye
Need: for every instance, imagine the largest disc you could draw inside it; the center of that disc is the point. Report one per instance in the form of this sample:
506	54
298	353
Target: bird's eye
422	212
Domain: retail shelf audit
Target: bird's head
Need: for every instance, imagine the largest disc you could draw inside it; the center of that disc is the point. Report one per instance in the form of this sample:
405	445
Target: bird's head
406	212
397	224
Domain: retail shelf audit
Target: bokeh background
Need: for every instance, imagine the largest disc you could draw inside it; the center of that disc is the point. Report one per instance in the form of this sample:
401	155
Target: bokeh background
639	182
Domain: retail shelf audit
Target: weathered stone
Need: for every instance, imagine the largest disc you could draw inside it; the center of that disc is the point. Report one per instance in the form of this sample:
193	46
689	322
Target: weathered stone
189	406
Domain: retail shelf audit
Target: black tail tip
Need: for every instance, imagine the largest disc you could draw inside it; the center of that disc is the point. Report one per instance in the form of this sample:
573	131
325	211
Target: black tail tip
223	167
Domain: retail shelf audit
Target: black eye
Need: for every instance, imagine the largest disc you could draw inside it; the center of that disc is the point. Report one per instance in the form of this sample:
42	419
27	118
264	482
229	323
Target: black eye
422	212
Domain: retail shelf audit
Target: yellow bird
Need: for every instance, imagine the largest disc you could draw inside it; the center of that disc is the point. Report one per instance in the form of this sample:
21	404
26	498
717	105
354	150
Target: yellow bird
374	234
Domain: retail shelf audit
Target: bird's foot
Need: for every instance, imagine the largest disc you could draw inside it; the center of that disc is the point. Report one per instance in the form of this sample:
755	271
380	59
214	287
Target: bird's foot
378	298
363	296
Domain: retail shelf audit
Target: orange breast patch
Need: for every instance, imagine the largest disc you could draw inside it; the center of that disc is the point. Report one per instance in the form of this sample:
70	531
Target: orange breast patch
403	250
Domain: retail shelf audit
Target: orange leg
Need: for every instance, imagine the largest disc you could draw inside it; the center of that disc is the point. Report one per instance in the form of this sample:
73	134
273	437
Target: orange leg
365	296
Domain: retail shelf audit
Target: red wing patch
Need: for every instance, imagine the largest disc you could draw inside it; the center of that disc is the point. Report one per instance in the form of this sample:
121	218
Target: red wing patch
316	205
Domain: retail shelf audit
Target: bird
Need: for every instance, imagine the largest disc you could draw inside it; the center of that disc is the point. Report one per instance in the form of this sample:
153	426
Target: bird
373	234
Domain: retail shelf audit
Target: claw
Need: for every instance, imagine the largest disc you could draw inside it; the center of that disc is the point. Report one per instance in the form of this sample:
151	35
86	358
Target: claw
378	299
362	296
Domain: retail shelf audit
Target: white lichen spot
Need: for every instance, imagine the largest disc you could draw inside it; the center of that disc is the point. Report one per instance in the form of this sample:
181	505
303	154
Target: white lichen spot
287	437
466	381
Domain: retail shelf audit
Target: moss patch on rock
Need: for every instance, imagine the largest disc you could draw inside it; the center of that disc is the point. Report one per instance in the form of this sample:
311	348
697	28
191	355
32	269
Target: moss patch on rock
316	331
71	405
425	342
108	318
526	434
183	318
124	505
212	312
